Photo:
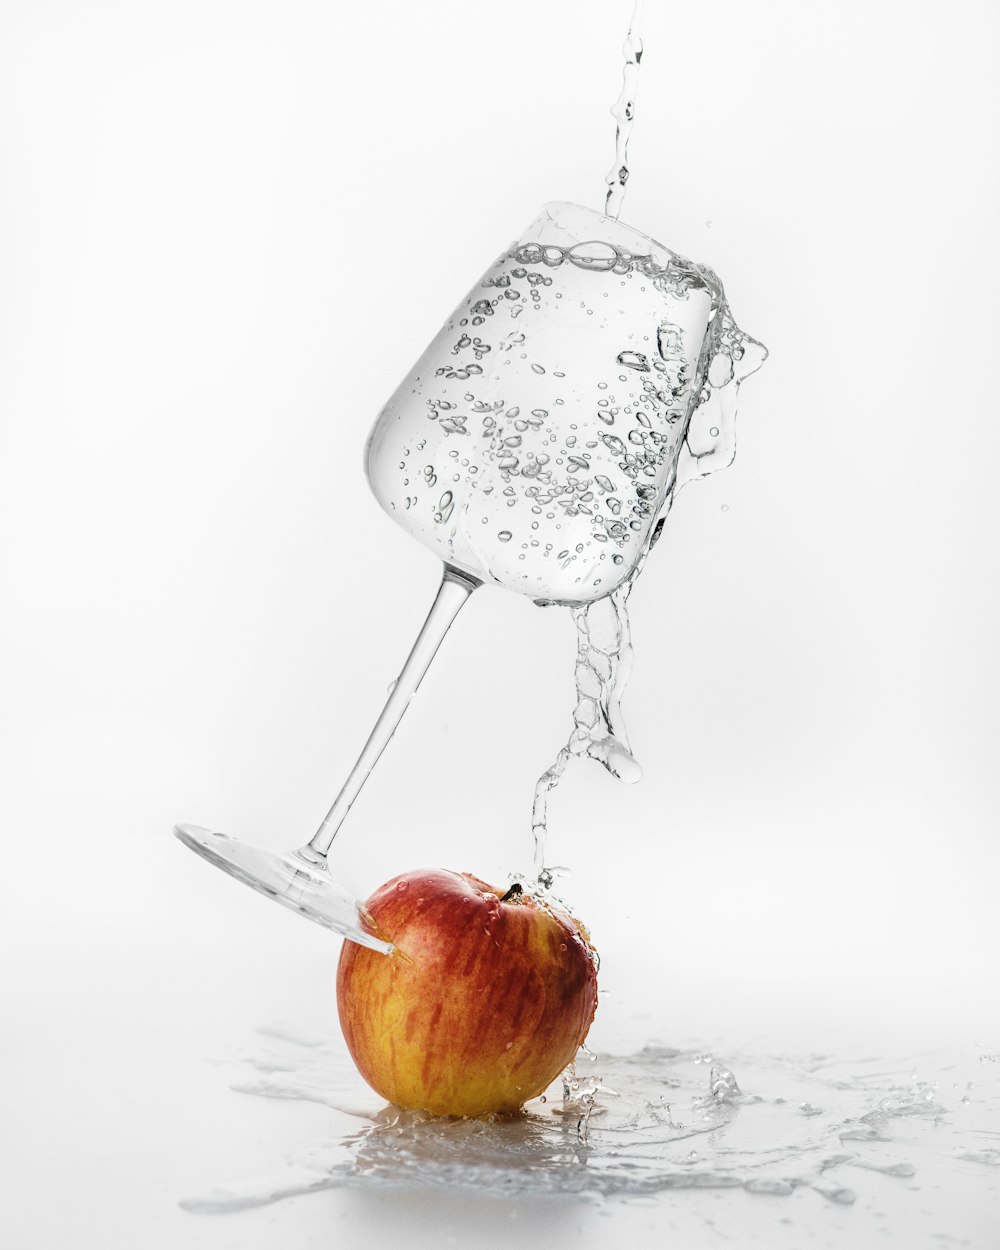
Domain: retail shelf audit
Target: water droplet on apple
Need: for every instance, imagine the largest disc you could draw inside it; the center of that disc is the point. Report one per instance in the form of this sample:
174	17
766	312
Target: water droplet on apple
402	886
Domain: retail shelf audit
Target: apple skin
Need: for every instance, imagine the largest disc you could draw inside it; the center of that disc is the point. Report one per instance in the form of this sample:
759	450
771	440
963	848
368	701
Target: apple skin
480	1007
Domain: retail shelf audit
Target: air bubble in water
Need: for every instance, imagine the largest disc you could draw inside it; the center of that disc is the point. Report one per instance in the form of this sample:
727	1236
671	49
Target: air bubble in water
634	360
446	506
720	371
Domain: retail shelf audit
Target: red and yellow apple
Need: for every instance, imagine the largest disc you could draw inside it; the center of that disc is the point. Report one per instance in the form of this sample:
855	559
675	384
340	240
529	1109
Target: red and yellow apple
485	1000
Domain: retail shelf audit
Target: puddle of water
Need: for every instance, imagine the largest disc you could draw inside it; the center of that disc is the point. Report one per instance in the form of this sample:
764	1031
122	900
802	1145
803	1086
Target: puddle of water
628	1126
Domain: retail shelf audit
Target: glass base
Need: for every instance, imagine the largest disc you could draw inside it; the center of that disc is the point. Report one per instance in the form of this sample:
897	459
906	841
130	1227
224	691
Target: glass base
291	881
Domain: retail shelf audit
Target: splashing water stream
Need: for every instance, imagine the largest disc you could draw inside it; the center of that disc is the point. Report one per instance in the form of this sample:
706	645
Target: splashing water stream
603	663
604	650
624	115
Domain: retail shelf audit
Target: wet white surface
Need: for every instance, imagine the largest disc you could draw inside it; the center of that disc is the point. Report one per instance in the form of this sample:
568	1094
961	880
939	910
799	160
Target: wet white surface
123	1042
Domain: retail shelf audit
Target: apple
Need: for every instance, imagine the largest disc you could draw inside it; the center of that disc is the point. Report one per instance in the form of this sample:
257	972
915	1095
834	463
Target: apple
485	1000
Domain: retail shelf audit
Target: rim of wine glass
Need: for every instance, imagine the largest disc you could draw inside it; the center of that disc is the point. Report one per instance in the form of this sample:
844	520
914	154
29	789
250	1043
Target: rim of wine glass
609	231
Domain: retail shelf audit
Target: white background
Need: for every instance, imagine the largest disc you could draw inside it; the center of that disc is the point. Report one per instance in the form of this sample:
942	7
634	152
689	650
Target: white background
226	232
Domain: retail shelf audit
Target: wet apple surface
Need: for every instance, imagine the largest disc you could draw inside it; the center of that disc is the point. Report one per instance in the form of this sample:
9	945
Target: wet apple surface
485	1000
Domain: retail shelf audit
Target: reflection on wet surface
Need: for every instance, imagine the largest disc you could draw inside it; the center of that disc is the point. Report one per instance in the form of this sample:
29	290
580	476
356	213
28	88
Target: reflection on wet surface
619	1127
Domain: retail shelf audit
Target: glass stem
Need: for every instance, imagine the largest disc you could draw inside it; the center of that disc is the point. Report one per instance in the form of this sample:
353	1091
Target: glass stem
452	594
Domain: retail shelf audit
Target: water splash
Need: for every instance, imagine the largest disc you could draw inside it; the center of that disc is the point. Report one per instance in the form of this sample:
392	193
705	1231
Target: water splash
624	114
603	664
728	357
628	1126
722	1084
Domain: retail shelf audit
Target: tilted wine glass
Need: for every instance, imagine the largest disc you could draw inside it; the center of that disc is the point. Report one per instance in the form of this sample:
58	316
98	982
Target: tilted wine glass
535	445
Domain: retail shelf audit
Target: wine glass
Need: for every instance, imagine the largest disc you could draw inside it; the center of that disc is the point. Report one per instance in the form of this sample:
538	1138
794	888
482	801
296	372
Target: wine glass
535	445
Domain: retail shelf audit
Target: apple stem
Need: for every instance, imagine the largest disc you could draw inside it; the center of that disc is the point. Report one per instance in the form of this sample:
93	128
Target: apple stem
514	892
